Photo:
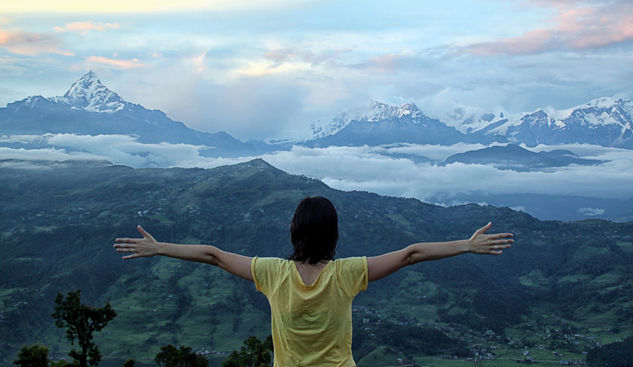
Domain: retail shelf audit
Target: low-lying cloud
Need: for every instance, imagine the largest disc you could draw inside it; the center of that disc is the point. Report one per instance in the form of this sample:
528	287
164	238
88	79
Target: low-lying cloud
374	169
590	212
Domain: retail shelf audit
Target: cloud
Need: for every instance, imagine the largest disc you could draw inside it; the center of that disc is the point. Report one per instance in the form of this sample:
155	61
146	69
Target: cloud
30	43
84	27
116	63
117	6
257	68
591	211
390	63
364	168
118	149
361	168
577	25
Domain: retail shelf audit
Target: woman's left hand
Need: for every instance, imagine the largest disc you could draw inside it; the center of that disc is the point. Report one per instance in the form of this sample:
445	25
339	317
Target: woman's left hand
141	247
490	244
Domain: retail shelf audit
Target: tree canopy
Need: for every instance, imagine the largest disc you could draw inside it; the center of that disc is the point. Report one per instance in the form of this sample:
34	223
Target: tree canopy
254	353
81	321
170	356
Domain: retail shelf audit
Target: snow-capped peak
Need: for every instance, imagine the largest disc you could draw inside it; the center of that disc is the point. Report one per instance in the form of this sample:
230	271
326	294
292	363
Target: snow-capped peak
379	111
605	111
374	112
89	94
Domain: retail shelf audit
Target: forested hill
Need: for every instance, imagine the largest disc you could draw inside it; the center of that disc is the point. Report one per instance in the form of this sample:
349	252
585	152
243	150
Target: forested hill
59	221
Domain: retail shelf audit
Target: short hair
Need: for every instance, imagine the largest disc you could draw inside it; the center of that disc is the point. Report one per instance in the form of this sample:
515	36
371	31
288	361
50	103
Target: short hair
314	230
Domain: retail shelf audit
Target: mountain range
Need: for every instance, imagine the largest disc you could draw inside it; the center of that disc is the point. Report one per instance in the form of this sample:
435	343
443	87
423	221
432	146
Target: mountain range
89	107
606	122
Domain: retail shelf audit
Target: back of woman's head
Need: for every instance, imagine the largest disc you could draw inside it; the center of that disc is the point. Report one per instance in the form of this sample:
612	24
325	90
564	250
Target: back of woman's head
314	230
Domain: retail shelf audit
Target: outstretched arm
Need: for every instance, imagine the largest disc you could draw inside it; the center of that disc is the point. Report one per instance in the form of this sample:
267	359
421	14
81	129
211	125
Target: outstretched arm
147	246
480	243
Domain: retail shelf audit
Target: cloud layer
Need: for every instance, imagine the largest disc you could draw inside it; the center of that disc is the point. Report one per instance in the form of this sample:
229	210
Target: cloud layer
361	168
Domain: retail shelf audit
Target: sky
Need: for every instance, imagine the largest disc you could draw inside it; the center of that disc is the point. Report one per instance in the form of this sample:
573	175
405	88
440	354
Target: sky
269	69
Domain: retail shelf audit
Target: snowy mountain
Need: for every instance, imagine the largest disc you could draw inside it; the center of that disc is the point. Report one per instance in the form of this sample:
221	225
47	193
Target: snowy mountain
381	123
89	94
604	121
375	112
90	108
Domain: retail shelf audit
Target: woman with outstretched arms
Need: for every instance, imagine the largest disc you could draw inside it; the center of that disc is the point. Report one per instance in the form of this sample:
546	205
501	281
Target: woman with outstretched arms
311	293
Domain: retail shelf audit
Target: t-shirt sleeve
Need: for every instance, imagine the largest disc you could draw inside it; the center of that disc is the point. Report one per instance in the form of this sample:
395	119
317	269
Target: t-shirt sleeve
263	270
353	275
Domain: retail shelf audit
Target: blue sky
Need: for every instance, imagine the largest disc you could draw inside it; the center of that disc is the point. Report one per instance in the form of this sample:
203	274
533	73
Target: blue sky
268	69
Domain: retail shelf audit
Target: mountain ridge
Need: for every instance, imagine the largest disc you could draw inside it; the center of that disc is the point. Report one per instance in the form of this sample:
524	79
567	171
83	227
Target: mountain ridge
603	121
57	237
90	108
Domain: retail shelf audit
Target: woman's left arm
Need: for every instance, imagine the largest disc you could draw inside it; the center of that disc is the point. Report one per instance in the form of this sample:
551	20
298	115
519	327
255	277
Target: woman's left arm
479	243
147	246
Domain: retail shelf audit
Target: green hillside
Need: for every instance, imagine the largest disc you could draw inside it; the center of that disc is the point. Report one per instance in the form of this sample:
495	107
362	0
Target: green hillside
563	289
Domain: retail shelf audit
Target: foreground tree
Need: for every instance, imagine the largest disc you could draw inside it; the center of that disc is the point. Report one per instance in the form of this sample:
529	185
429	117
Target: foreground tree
254	353
34	356
170	356
81	321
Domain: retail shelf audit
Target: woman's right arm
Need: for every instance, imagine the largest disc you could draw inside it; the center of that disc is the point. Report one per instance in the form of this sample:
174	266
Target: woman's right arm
480	243
147	246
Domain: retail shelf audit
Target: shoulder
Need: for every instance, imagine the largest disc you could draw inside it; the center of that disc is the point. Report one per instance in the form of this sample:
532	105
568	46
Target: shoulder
269	263
351	261
352	274
266	271
353	265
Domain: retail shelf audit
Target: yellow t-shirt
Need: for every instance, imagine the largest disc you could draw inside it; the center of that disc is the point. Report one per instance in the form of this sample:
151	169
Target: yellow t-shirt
311	324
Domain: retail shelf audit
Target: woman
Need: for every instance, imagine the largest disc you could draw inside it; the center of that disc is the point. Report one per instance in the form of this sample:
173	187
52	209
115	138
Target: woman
311	294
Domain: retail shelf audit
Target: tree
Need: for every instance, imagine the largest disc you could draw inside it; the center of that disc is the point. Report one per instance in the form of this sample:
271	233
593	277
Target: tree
81	321
254	353
34	356
170	356
129	363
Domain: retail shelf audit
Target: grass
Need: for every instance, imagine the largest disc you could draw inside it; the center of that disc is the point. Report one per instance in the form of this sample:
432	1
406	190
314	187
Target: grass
534	279
45	229
606	279
381	356
584	253
625	246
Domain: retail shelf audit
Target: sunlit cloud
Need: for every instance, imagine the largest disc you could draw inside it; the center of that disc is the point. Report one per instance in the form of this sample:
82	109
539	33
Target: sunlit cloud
116	63
30	43
388	63
576	26
265	67
118	6
84	27
301	55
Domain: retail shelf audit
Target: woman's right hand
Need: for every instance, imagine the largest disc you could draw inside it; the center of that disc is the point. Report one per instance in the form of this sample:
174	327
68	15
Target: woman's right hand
141	247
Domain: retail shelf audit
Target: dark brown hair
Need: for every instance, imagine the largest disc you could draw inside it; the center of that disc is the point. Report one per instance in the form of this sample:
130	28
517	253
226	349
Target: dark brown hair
314	230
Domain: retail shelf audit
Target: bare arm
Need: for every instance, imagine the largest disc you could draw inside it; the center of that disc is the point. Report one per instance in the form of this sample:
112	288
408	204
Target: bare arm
480	243
147	246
